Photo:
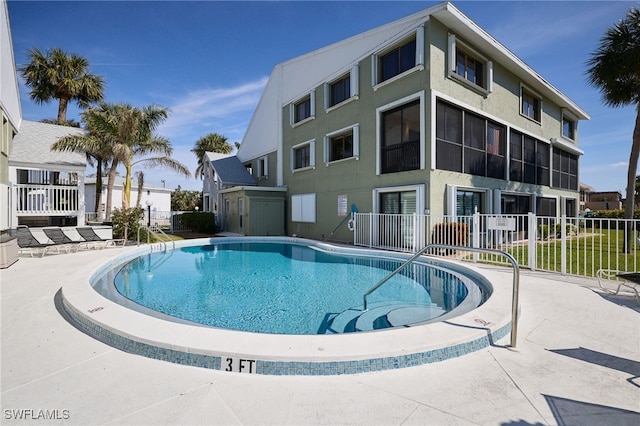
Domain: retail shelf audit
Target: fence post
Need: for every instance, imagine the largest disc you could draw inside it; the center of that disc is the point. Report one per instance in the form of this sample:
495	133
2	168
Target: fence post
370	229
563	245
533	236
476	234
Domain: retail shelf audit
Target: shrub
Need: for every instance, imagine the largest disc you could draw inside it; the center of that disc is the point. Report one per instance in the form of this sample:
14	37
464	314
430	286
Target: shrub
199	222
129	219
451	233
570	229
543	231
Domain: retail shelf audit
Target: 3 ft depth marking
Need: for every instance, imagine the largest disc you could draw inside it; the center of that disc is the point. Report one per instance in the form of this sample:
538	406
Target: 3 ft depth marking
240	365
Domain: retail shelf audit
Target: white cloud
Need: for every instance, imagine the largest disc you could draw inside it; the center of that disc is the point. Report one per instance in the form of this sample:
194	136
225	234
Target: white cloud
202	111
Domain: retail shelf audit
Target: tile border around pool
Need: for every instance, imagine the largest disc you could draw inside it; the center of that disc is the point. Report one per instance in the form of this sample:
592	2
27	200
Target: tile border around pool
287	368
225	350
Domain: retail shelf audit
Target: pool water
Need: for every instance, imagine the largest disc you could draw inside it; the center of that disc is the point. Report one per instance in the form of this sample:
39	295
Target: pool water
282	288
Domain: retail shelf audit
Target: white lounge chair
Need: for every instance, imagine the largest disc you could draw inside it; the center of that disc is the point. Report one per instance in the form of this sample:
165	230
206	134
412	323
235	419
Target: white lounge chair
630	280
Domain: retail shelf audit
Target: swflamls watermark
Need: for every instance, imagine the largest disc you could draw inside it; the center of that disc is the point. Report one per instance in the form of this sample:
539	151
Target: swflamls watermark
36	414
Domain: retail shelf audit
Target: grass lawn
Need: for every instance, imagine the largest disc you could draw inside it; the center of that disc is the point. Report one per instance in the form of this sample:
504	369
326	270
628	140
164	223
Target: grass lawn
586	253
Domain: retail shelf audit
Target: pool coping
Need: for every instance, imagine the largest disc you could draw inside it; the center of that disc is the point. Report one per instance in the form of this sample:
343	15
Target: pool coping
273	354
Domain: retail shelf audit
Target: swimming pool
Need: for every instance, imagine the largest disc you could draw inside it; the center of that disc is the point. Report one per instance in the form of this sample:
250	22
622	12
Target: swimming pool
95	307
291	288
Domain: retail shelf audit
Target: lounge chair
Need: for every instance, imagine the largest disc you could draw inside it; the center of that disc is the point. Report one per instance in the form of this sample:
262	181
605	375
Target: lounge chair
630	280
28	243
90	235
62	240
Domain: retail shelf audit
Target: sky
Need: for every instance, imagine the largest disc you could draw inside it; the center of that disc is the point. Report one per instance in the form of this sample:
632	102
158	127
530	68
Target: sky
208	61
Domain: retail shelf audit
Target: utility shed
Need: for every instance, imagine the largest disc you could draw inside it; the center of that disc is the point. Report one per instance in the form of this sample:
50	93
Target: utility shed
254	210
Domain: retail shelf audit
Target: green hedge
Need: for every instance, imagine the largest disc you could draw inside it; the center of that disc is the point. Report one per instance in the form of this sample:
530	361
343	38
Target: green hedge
199	222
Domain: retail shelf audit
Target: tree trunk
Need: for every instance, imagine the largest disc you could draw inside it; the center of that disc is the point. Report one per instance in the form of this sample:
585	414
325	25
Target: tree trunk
126	193
110	182
140	185
631	183
98	205
62	110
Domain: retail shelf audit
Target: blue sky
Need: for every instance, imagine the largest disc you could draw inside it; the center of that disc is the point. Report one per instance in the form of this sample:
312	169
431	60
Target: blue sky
208	61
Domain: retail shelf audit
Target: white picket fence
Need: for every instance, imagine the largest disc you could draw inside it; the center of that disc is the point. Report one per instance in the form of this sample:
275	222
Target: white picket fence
565	245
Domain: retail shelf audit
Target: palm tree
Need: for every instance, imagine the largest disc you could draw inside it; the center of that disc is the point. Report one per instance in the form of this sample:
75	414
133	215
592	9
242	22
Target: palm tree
96	149
213	142
130	132
614	68
59	75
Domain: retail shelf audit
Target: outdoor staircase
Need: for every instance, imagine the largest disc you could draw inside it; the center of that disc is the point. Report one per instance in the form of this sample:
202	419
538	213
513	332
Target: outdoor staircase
380	316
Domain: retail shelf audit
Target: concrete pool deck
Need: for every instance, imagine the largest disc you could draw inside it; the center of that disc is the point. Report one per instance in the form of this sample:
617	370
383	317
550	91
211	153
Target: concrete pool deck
577	362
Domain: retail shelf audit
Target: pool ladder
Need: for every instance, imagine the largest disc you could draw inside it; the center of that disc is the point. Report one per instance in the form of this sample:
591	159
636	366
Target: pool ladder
516	278
155	231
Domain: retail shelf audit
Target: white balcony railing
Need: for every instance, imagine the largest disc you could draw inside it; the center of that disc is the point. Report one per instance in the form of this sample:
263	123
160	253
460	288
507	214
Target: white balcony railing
46	200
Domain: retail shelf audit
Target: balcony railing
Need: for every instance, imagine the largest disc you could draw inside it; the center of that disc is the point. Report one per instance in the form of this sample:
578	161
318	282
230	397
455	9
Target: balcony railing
46	200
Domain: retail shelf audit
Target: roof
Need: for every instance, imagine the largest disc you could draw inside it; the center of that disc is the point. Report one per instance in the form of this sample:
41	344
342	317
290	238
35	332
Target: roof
232	172
32	146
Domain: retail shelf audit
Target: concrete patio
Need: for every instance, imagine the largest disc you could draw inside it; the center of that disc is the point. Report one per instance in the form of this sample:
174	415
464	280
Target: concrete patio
577	362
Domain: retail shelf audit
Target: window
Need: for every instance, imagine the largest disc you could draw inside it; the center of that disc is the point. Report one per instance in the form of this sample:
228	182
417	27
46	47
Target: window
263	167
531	105
405	56
515	204
397	61
565	170
341	145
546	206
340	90
467	202
469	143
469	68
303	156
570	207
400	147
529	160
302	109
568	128
303	208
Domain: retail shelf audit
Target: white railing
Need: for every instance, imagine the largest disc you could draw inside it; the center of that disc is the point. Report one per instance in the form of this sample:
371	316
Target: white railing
49	200
569	246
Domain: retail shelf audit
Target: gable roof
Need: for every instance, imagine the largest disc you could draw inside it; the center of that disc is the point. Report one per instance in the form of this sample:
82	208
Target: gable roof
32	147
232	172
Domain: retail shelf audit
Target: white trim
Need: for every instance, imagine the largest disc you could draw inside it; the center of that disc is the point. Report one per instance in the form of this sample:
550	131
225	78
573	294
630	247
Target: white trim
565	146
354	130
312	156
536	95
303	208
418	35
571	117
380	110
453	43
420	190
312	108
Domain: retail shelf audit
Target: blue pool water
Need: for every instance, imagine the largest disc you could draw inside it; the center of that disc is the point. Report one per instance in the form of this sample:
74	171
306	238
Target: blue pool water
282	288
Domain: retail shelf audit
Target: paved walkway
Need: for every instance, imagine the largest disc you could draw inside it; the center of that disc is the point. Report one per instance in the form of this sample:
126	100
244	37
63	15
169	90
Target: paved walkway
577	362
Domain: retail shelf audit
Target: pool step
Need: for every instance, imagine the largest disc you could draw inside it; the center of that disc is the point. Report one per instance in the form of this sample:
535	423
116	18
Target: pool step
376	317
413	314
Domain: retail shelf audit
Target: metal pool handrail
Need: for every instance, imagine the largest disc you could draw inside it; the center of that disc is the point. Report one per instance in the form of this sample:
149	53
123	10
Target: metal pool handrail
516	279
163	242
